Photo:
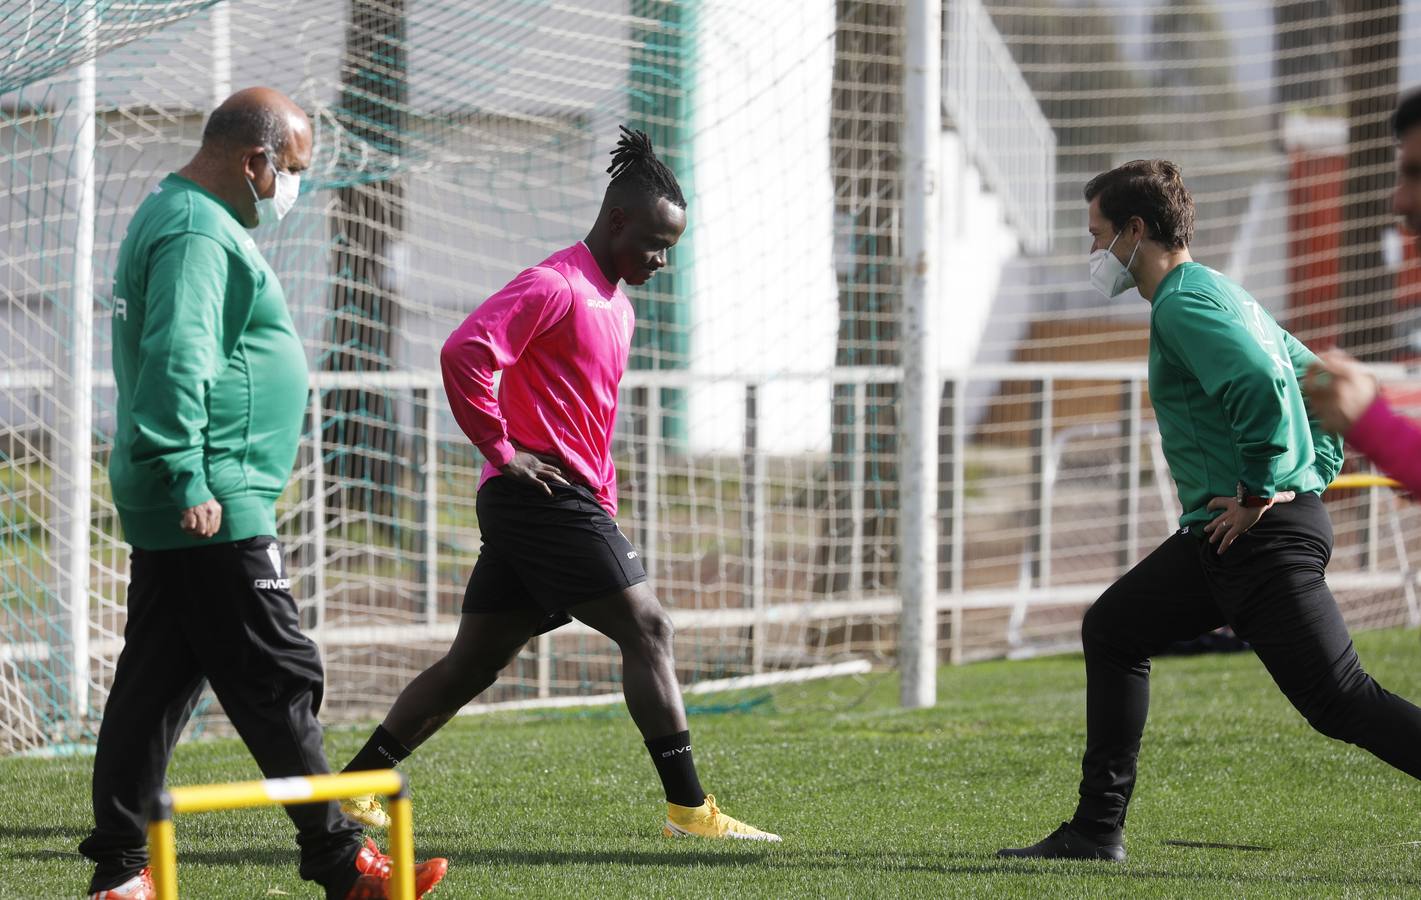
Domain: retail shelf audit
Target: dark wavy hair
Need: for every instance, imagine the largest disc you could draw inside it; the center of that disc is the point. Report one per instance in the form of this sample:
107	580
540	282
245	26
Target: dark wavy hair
1151	189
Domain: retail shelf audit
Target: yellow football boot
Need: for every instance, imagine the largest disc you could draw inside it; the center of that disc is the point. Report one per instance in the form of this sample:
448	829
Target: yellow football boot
366	811
708	821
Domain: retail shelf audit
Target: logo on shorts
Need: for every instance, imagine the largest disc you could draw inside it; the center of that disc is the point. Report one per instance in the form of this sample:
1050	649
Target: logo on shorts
273	553
631	554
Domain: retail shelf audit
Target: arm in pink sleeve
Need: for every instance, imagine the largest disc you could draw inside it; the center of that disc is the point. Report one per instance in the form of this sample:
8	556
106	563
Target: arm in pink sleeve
1392	441
490	339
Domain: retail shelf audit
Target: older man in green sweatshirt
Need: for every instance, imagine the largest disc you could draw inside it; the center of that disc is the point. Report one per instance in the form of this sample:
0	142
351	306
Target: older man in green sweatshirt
212	385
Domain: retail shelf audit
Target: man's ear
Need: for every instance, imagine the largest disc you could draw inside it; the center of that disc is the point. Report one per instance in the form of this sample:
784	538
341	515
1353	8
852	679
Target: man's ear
1143	233
253	160
617	219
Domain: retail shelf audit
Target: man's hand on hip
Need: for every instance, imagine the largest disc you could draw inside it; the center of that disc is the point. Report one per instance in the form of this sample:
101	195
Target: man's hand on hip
535	470
203	520
1237	518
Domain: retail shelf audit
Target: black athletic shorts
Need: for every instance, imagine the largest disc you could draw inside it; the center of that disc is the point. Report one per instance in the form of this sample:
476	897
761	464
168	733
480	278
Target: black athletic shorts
546	554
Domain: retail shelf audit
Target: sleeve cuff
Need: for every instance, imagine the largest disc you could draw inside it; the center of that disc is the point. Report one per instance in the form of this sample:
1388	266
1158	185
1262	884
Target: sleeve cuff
499	453
1260	484
189	489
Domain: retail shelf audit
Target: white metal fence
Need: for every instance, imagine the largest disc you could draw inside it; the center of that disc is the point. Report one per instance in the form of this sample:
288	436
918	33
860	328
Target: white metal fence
1004	132
1040	506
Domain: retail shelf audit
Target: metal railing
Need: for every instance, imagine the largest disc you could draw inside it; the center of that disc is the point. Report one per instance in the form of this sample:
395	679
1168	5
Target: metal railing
1004	132
857	388
1137	528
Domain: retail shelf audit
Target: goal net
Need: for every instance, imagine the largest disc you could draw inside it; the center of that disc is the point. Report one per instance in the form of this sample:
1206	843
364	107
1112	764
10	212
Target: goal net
458	142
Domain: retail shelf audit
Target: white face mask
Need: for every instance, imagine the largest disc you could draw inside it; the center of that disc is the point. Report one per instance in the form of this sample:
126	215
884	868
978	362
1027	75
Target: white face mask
274	208
1110	276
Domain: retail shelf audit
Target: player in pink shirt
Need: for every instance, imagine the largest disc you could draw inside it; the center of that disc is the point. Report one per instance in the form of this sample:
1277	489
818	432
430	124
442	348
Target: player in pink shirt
1340	389
560	332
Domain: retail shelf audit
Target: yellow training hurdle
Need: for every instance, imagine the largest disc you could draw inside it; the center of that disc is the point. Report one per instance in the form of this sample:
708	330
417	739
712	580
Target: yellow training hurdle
162	851
1363	480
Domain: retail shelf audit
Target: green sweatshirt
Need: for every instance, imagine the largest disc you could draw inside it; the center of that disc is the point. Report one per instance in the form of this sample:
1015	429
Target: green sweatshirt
1224	385
211	375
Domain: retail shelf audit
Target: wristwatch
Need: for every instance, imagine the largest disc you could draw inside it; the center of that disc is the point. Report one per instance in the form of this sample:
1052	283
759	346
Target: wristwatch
1244	498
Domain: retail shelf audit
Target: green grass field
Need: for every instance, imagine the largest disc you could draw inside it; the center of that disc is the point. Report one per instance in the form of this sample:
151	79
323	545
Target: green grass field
871	800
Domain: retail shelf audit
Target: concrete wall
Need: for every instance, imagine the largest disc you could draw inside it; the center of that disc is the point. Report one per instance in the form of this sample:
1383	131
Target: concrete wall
975	245
764	301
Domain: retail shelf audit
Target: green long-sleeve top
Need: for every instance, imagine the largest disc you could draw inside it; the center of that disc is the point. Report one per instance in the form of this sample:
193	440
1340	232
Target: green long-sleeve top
211	375
1224	385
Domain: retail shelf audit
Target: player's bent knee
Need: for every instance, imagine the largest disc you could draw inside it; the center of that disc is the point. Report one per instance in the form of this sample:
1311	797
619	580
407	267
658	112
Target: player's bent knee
462	676
654	633
509	657
505	659
1335	723
1096	628
661	629
1343	715
471	682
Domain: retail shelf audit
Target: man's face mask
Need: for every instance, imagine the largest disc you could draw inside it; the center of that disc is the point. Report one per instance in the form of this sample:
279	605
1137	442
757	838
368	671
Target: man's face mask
274	208
1110	276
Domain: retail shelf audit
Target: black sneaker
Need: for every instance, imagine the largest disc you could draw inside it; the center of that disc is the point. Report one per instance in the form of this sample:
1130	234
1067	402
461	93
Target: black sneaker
1068	843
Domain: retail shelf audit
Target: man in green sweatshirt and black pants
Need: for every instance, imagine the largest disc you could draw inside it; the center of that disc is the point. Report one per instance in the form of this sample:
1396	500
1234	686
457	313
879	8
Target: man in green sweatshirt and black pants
212	387
1250	464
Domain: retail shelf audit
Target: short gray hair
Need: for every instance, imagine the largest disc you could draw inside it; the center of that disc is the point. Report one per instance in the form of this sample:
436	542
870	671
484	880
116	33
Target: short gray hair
244	126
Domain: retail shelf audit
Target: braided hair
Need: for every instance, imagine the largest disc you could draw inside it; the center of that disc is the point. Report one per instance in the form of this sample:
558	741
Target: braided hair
635	167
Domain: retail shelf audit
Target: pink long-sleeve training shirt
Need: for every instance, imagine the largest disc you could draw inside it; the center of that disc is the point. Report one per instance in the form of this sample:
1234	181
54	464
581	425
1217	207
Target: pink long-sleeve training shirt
561	334
1390	440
